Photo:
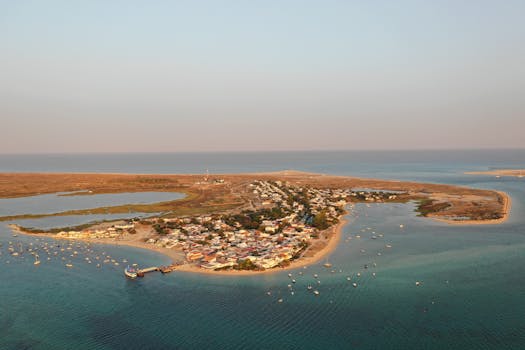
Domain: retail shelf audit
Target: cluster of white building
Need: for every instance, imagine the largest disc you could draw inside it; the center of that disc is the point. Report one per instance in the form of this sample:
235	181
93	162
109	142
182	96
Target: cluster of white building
113	232
213	244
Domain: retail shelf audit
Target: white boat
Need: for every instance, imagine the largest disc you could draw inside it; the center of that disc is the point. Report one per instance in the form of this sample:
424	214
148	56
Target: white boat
316	292
130	272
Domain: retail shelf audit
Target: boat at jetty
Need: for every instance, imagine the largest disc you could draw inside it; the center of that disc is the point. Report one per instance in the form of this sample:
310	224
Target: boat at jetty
130	272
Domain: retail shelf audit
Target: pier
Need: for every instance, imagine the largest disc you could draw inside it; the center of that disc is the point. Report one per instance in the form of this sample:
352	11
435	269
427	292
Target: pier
163	269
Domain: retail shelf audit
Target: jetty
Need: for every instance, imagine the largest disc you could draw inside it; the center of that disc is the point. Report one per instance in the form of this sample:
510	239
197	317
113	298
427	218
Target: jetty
162	269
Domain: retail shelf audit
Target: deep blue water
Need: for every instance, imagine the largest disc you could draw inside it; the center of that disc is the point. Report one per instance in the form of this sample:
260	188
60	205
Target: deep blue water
472	292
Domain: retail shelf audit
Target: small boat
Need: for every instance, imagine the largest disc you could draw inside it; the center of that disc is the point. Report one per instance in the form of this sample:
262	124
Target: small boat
280	300
418	283
354	284
130	272
316	292
69	265
309	287
327	265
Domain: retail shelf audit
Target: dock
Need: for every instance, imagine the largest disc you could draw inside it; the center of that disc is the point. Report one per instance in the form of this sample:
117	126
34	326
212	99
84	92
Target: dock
162	269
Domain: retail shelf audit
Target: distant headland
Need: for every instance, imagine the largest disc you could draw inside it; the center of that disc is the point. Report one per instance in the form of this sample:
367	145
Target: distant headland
501	172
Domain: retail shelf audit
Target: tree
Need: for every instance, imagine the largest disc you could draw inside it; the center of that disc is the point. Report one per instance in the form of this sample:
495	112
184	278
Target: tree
320	221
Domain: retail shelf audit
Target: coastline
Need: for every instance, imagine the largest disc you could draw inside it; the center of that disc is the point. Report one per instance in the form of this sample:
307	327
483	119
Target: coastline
170	253
302	261
507	205
331	243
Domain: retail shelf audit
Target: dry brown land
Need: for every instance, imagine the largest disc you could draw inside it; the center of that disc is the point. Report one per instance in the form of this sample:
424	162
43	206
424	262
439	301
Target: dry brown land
234	194
500	172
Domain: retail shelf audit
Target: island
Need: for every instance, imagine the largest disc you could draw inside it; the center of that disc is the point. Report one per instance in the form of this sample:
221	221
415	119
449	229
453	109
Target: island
245	223
500	172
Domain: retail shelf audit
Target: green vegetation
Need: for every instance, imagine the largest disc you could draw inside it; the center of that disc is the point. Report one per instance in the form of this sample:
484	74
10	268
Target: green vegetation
430	206
246	264
320	221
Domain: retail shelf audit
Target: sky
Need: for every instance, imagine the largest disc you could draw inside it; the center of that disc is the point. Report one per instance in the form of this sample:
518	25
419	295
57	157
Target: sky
184	76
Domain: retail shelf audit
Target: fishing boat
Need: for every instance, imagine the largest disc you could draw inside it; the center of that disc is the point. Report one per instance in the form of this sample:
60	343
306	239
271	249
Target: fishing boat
130	272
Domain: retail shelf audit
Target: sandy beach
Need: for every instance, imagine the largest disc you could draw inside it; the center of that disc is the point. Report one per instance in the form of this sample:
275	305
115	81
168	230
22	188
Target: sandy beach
317	251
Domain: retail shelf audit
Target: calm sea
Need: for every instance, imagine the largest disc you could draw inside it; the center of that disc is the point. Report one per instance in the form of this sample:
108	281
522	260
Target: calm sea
471	295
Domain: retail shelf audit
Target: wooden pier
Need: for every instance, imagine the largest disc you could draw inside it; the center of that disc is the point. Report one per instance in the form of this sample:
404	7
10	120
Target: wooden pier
163	269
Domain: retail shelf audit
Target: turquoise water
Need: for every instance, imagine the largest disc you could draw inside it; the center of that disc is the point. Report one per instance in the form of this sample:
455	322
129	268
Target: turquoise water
74	220
472	292
54	203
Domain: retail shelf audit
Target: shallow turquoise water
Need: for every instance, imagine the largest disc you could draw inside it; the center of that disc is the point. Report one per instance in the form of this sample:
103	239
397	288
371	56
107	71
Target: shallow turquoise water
54	203
472	292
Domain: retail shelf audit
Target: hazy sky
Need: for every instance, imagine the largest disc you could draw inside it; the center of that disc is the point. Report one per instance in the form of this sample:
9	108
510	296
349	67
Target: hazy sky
112	76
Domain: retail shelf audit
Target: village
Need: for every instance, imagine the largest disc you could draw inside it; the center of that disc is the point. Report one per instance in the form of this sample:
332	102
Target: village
284	221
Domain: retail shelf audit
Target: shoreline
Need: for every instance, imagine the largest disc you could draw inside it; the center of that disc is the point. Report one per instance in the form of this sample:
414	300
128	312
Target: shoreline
507	205
169	253
331	243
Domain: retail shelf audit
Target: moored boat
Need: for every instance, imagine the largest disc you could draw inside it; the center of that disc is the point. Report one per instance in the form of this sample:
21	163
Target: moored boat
130	272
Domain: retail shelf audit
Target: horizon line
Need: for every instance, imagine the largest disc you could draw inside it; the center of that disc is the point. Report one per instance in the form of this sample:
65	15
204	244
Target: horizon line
270	151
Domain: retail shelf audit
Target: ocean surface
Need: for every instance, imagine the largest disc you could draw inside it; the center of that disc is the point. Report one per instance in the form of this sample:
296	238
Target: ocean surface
471	293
